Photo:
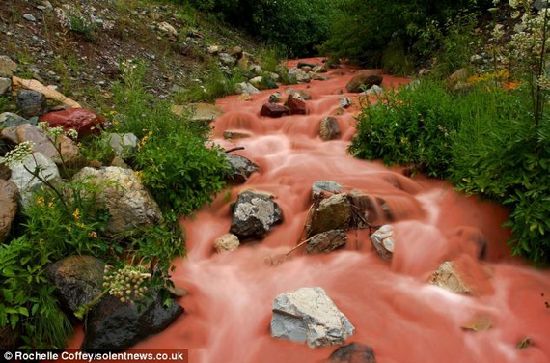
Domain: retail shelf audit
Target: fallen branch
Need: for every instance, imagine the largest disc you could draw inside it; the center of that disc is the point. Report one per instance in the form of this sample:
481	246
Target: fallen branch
234	149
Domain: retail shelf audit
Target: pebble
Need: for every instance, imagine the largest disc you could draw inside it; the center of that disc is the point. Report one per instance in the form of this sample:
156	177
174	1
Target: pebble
29	17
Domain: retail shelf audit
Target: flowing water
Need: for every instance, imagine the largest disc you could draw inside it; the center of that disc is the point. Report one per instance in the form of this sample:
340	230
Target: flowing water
395	311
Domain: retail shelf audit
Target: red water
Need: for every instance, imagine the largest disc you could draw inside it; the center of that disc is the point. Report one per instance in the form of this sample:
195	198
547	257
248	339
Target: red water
394	309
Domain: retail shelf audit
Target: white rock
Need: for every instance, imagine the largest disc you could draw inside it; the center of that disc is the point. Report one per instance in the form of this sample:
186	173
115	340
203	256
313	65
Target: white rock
168	28
309	315
245	87
122	144
383	242
226	243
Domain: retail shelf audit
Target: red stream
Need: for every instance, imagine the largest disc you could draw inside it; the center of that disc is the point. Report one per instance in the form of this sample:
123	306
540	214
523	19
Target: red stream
394	309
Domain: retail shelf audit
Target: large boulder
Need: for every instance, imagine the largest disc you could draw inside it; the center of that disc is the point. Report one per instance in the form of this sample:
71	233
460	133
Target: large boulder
78	280
114	325
30	103
8	207
241	168
26	182
84	121
383	242
129	203
296	105
364	80
331	213
329	129
309	316
327	241
353	353
449	278
7	66
254	214
274	110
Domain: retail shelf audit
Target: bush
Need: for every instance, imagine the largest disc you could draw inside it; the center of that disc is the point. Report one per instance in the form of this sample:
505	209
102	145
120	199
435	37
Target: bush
299	25
484	140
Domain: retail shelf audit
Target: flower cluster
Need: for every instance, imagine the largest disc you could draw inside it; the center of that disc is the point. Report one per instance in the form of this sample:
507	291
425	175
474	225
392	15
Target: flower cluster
18	154
128	283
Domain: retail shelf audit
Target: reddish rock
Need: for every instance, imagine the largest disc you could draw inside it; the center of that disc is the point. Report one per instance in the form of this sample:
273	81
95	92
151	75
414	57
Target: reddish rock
296	105
364	80
84	121
274	110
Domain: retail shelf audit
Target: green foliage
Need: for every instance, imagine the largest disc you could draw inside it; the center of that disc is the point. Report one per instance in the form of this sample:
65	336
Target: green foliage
483	140
81	25
215	83
299	25
181	172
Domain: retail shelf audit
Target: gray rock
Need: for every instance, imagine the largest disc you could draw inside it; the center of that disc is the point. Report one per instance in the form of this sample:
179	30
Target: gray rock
331	213
26	182
375	91
30	103
241	168
8	119
329	129
327	241
353	353
129	203
345	102
42	144
8	207
254	214
309	316
331	187
123	144
78	280
227	59
300	75
246	88
114	325
226	243
383	242
5	85
7	66
29	17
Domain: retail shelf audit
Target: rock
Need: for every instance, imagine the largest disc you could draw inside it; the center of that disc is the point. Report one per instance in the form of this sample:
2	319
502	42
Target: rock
227	59
365	209
7	66
5	172
306	65
375	91
213	49
231	134
29	17
30	103
8	119
8	207
5	85
299	94
115	326
168	29
245	87
123	144
84	121
226	243
274	110
353	353
327	241
297	106
320	187
449	279
300	75
28	183
345	102
275	97
237	52
254	214
332	213
129	203
319	77
329	129
241	168
309	315
364	80
383	242
78	280
205	112
43	145
256	81
320	69
458	76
